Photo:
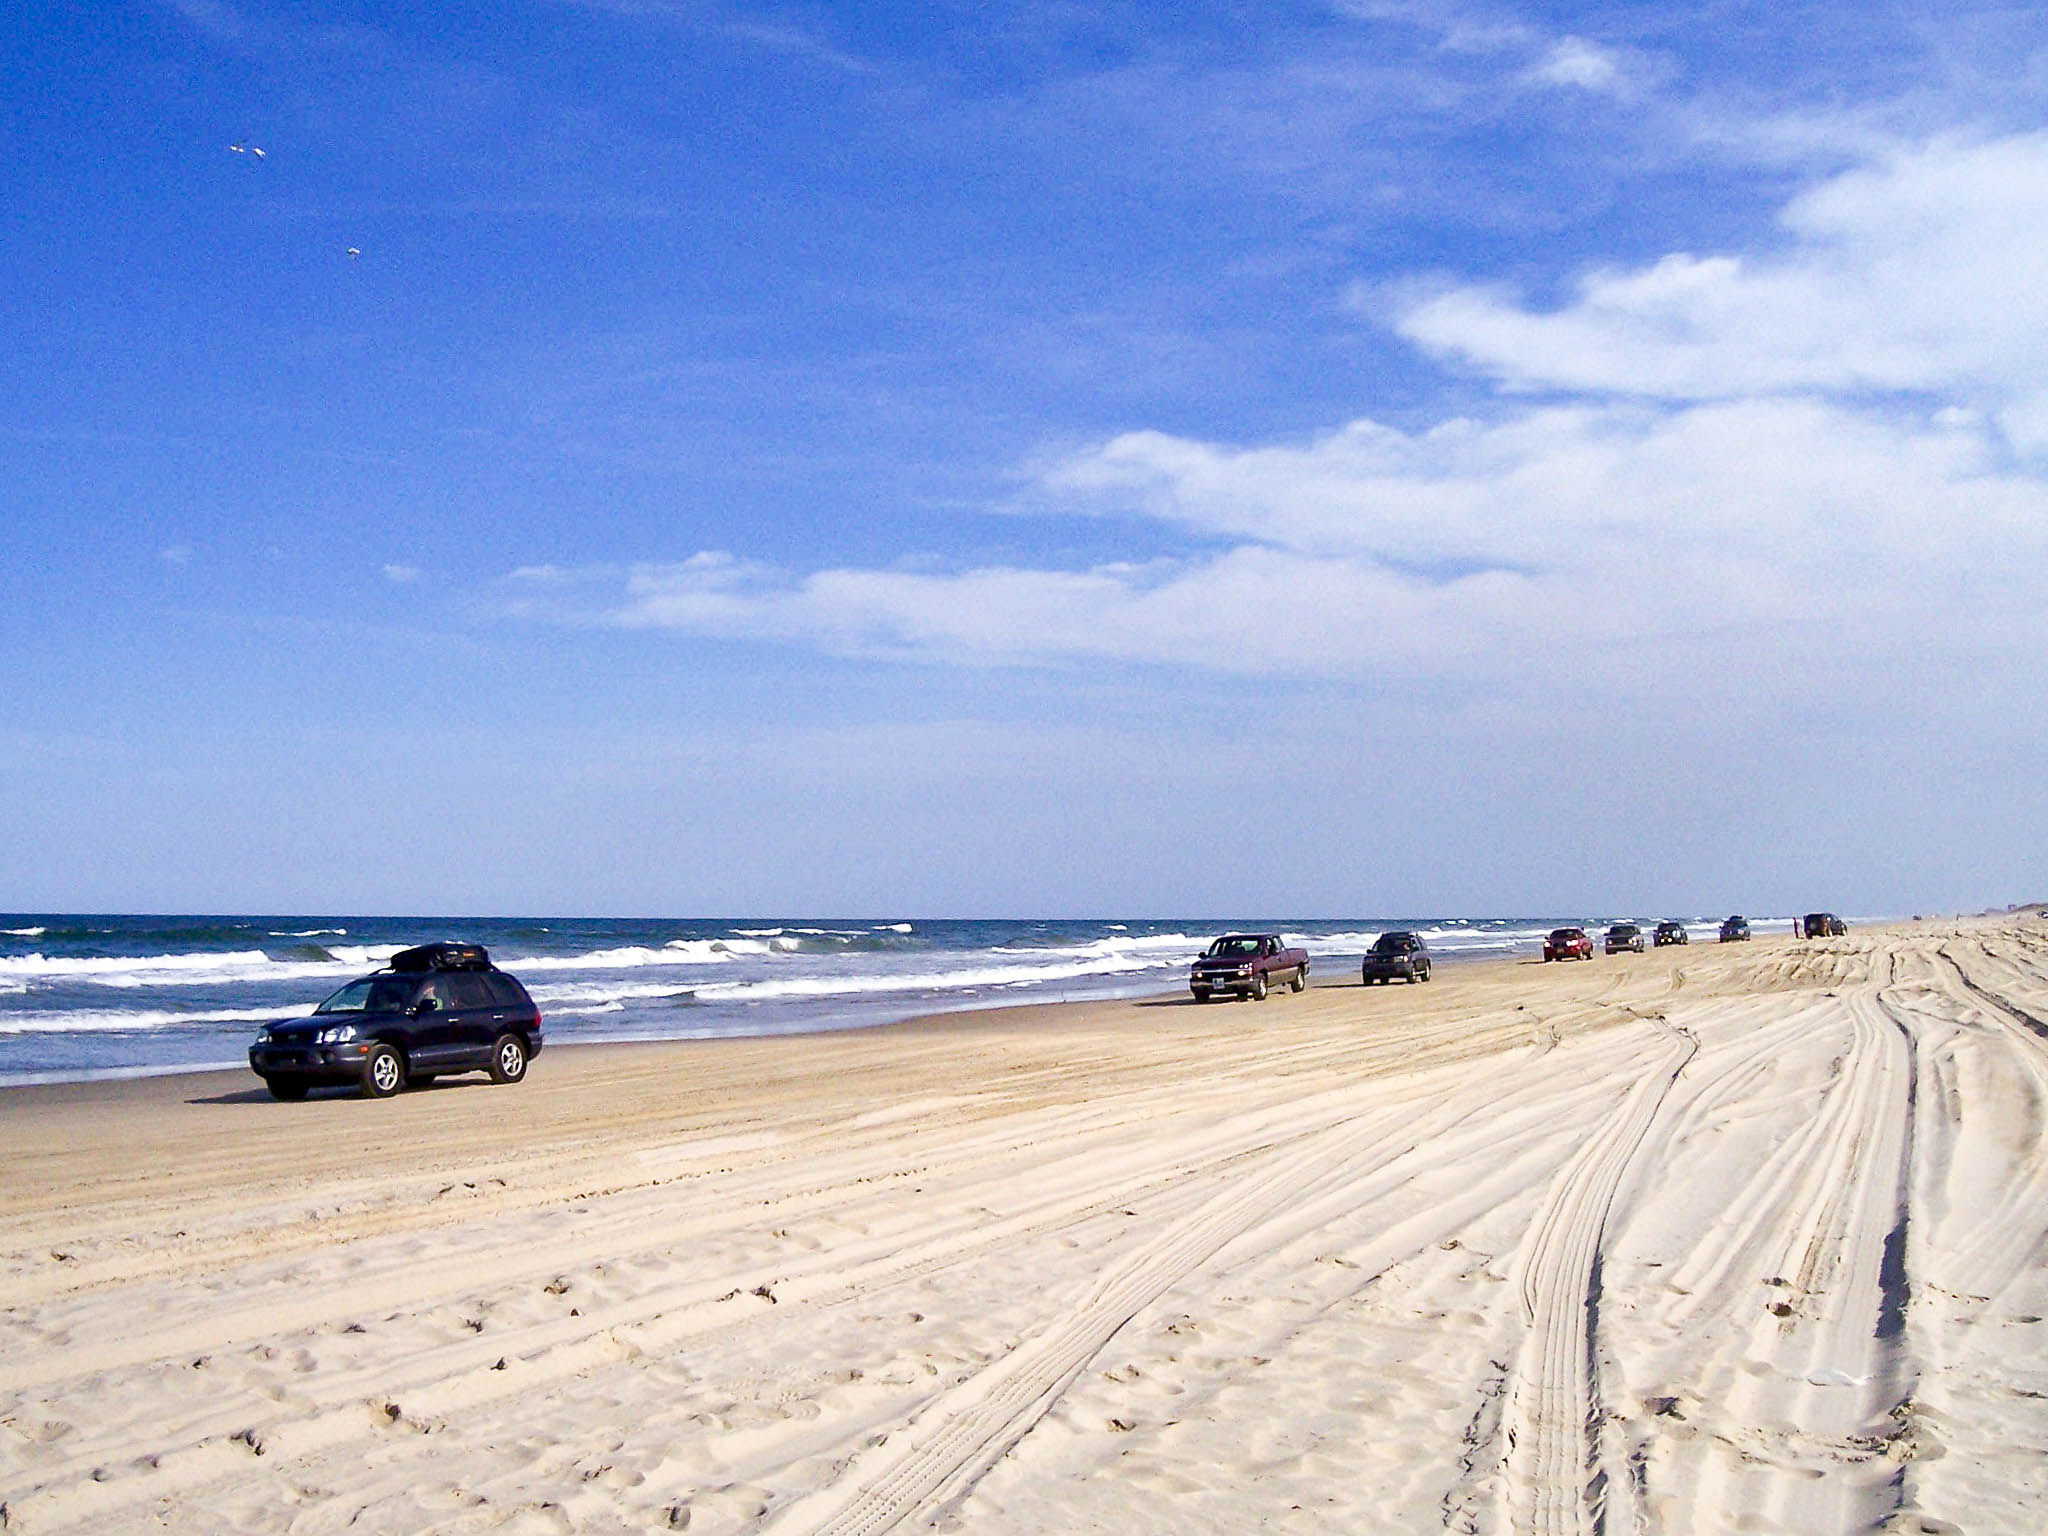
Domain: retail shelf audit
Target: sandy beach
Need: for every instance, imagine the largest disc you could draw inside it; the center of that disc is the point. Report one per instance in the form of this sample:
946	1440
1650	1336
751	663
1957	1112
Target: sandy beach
1718	1238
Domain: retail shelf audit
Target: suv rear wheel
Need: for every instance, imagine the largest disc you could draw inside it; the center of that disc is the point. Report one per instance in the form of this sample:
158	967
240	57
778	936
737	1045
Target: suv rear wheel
508	1059
383	1072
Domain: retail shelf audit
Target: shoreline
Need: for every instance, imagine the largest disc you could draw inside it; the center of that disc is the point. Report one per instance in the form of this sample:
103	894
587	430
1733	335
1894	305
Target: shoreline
1452	959
959	1017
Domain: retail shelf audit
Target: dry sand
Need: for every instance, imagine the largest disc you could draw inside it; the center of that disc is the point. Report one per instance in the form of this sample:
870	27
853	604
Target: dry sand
1729	1238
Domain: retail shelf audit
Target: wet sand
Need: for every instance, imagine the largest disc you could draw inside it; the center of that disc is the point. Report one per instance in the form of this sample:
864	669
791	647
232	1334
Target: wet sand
1721	1238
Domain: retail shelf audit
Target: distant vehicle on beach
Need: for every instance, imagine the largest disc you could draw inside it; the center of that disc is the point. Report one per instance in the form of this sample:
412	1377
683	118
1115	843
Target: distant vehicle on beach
1624	936
1567	944
1734	930
1247	965
1823	925
1669	932
434	1009
1396	953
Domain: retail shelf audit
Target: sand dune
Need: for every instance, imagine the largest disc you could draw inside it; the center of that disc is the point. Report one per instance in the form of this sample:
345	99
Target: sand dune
1730	1238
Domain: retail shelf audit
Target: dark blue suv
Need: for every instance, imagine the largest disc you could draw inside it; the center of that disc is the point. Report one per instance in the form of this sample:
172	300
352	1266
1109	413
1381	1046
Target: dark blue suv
436	1009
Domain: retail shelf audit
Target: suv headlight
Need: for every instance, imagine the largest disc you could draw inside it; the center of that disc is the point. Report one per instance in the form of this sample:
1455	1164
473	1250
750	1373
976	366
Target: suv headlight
263	1035
336	1034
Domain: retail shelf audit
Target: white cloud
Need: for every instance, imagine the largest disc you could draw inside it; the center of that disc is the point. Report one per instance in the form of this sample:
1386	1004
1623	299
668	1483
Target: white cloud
401	575
1464	551
177	554
1921	272
1576	62
1727	486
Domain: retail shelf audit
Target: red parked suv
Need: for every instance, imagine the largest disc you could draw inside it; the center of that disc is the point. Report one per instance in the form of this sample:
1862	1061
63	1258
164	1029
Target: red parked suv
1567	944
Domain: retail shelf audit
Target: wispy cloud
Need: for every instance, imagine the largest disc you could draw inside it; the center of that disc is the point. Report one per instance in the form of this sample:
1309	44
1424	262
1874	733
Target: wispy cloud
771	31
1576	62
1919	272
1469	551
1726	481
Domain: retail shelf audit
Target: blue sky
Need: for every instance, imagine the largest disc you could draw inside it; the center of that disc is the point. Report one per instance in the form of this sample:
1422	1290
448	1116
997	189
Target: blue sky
639	457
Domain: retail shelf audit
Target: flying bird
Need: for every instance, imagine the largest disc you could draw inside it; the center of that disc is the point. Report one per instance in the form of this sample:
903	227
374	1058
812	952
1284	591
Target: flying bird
354	251
247	149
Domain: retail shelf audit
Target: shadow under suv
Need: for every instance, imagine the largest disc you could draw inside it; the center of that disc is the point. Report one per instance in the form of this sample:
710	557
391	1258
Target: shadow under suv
436	1009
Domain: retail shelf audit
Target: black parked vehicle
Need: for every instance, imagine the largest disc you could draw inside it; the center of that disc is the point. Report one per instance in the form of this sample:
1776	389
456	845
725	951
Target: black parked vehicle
1823	925
1670	932
1734	930
1624	936
436	1009
1393	954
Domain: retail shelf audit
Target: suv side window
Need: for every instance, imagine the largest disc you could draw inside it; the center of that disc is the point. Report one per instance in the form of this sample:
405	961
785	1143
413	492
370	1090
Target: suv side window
509	993
468	991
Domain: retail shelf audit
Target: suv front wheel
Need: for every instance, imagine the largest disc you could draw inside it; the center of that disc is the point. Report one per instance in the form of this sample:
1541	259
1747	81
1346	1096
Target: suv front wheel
383	1072
508	1059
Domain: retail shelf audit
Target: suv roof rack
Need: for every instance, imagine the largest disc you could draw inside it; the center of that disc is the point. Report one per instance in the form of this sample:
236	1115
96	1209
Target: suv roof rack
441	957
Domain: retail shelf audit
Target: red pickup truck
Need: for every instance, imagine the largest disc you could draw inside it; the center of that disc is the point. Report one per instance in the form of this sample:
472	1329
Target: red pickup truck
1247	964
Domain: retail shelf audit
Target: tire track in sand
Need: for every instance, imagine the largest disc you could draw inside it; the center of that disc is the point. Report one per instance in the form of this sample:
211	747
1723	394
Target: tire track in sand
1551	1488
938	1456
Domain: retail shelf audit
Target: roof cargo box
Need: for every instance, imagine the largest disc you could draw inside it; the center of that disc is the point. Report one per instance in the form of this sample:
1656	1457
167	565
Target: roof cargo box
442	957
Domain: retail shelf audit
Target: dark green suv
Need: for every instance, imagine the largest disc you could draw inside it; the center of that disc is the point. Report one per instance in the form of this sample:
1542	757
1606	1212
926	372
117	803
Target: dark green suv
436	1009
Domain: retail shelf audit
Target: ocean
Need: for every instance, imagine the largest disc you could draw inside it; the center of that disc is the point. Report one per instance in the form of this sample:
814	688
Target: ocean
84	996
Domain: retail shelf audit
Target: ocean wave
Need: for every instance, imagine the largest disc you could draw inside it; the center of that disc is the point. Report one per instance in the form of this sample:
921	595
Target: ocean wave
103	1020
24	933
1445	938
962	980
1185	944
312	933
131	972
551	997
638	956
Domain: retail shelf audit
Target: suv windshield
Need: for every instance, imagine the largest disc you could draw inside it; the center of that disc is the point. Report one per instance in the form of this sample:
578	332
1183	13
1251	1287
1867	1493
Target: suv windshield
1393	943
1234	947
373	994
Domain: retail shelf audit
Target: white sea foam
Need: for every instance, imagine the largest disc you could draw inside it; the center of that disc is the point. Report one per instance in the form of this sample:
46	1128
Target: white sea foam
204	968
896	928
638	956
25	933
964	979
1159	943
605	991
310	933
102	1020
